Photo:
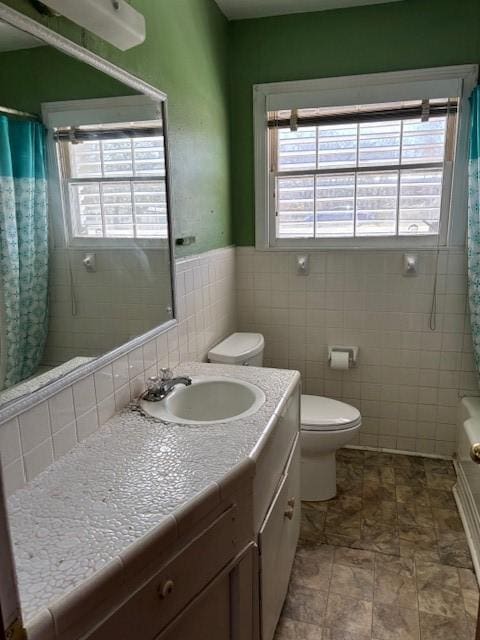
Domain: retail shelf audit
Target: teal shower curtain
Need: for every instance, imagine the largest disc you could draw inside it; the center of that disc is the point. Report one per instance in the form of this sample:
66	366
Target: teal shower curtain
23	248
474	225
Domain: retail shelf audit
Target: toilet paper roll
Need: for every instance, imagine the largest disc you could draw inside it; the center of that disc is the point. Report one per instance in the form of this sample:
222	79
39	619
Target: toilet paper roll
339	360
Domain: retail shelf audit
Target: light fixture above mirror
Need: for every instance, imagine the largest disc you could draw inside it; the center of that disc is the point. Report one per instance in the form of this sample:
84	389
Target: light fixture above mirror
115	21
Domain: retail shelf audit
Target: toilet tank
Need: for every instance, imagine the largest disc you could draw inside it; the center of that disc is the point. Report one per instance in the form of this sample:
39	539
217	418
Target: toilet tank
239	348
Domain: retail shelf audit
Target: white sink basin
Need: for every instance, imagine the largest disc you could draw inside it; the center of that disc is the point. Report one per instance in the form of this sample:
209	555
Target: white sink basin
207	400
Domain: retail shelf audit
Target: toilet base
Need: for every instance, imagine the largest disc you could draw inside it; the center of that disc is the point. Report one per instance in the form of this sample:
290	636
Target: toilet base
319	477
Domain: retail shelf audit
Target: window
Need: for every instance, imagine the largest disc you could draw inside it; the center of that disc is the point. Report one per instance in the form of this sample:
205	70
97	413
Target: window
107	172
373	173
114	180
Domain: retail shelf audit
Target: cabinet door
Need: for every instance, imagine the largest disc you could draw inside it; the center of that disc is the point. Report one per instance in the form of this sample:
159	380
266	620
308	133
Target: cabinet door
277	543
170	590
273	457
224	610
207	619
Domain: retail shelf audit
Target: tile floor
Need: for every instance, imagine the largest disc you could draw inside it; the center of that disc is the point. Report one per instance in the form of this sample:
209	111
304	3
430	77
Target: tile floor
387	559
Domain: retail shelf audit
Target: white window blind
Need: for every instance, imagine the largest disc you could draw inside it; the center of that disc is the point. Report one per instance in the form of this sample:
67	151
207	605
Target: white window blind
360	172
115	180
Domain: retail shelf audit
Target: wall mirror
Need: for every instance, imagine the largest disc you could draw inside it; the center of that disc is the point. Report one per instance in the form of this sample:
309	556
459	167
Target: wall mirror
85	242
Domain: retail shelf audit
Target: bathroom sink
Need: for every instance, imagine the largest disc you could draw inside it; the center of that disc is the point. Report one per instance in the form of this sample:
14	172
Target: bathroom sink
207	400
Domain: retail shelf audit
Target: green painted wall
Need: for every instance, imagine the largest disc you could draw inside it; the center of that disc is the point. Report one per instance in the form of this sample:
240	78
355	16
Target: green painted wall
193	54
30	77
390	37
186	56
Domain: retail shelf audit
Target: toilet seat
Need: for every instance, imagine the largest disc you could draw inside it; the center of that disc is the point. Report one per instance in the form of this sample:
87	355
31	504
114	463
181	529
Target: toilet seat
324	414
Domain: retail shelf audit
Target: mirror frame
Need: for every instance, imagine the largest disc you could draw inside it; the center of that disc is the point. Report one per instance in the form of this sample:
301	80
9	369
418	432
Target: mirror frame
51	38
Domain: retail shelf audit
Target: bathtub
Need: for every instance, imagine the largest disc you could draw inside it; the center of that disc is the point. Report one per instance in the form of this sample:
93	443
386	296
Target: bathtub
467	488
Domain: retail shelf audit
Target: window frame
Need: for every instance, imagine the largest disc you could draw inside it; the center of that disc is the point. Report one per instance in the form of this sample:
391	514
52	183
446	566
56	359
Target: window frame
91	112
364	89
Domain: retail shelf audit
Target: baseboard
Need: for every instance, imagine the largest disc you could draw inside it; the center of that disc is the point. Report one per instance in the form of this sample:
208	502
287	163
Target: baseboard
469	515
418	454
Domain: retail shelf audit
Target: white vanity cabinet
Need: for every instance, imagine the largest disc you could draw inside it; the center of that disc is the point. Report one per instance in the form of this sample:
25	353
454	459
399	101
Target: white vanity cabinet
204	591
277	540
230	581
225	609
215	566
277	490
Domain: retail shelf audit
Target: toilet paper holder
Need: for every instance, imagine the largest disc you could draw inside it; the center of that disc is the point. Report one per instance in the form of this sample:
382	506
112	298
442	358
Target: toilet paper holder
352	354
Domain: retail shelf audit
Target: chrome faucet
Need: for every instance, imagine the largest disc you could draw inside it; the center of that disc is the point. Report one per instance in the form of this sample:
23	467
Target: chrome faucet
158	387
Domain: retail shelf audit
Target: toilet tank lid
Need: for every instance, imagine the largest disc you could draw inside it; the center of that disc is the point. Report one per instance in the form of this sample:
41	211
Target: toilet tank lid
237	347
318	412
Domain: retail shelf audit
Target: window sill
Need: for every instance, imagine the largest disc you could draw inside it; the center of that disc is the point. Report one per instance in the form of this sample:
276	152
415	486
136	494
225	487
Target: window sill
99	244
370	246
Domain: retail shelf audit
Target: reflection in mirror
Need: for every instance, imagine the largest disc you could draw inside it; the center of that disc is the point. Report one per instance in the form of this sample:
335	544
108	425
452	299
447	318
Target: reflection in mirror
84	220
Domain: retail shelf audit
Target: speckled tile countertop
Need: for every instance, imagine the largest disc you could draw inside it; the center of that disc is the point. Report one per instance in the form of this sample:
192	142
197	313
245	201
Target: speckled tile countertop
117	485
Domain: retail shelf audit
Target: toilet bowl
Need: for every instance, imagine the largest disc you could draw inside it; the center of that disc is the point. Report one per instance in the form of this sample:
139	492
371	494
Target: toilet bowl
326	424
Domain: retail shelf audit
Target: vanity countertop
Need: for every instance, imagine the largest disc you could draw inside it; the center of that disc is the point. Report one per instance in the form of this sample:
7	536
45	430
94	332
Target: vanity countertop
121	482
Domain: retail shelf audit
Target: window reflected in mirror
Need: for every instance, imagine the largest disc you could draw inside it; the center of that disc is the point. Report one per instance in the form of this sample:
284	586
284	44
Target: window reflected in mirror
115	179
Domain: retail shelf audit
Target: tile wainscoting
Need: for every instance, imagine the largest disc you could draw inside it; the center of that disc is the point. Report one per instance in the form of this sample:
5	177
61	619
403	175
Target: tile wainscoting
409	378
30	441
127	295
407	383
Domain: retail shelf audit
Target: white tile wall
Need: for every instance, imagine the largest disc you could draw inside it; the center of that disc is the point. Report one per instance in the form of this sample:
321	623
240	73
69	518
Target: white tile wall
409	378
206	303
407	383
126	296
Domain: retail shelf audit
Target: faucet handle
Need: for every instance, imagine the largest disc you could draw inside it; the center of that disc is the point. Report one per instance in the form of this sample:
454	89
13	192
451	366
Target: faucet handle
166	374
153	382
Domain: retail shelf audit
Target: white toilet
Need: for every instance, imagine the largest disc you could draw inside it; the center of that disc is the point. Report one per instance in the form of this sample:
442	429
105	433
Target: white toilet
239	348
326	425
